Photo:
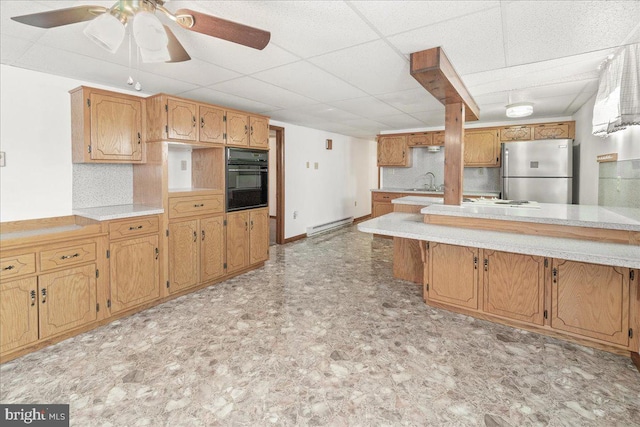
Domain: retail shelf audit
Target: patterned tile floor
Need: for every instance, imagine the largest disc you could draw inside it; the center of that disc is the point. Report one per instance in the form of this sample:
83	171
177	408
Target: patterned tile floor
323	335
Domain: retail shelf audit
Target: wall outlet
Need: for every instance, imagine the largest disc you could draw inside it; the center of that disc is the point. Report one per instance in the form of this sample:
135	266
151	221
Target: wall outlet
183	165
307	165
3	159
355	203
295	214
618	182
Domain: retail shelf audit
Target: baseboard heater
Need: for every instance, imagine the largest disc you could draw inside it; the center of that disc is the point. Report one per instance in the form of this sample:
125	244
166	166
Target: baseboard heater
329	226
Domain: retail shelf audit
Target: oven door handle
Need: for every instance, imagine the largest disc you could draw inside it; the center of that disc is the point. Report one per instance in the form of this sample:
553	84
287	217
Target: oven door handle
248	170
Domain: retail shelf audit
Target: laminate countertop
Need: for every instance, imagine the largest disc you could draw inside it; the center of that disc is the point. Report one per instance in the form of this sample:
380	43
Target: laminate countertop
611	218
106	213
487	194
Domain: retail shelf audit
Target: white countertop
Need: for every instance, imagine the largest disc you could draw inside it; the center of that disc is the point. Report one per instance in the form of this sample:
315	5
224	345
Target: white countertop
105	213
418	201
435	193
548	213
411	226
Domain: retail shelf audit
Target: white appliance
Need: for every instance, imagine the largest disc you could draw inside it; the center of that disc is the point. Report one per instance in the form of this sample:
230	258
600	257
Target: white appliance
539	170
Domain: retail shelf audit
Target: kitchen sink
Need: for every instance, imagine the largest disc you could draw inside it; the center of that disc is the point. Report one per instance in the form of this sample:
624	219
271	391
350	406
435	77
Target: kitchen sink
426	190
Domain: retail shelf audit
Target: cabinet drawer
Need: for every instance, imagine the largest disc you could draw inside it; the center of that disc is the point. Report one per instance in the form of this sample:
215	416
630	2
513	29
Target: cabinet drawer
70	255
14	266
133	227
195	205
386	197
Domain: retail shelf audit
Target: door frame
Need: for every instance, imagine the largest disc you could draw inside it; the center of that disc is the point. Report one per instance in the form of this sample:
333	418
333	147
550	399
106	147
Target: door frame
279	183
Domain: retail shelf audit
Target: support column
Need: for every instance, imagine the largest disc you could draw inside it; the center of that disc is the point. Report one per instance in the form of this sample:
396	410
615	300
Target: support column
453	152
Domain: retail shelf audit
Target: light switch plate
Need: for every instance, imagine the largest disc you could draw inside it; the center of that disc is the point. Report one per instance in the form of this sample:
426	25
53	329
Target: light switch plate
3	159
315	165
183	165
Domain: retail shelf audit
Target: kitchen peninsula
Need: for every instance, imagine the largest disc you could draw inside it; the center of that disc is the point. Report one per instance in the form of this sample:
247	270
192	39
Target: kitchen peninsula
567	271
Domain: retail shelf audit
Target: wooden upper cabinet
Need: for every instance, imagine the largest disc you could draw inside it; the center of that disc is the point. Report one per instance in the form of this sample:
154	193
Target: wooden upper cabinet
438	138
514	286
182	122
259	132
18	313
393	151
237	128
106	127
482	148
452	276
591	300
554	131
516	133
420	140
212	124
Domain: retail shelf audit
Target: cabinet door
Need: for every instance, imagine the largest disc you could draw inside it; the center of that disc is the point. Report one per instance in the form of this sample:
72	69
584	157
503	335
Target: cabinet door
552	131
392	151
438	138
514	286
116	128
258	235
135	272
482	148
18	313
183	255
515	133
67	299
591	300
420	140
212	246
381	208
212	124
237	241
181	120
237	128
259	130
453	275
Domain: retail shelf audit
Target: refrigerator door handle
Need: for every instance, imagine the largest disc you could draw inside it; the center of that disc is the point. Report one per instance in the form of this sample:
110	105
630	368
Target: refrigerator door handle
505	178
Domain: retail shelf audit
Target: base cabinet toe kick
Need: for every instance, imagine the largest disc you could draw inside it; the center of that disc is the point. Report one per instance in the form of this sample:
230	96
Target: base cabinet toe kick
592	304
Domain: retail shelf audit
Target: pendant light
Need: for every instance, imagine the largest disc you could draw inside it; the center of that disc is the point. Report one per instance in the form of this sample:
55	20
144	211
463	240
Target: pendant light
520	109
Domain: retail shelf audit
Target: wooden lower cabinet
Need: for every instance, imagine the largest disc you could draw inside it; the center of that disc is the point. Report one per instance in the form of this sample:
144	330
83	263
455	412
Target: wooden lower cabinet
591	300
135	272
514	286
247	238
18	313
452	275
196	252
67	299
381	208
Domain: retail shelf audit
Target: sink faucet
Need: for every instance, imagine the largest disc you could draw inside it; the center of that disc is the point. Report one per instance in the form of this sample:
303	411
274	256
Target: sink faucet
431	181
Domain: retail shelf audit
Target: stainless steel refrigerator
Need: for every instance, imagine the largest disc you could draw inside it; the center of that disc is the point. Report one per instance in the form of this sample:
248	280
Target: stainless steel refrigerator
539	170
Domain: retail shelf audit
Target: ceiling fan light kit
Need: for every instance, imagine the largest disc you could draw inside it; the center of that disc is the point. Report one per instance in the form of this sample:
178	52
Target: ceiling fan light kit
520	109
106	31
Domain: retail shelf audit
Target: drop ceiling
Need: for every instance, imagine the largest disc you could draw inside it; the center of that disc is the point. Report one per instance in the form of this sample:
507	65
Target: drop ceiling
343	66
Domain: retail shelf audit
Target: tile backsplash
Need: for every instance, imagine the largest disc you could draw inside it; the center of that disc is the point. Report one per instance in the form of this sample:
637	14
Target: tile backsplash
102	185
619	183
475	179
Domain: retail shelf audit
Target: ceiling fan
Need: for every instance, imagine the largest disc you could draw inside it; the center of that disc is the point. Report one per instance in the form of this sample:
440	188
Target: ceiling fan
156	41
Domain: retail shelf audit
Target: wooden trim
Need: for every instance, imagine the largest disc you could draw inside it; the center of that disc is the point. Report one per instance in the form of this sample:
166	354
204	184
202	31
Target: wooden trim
453	153
272	217
433	70
361	218
280	184
295	238
535	229
635	358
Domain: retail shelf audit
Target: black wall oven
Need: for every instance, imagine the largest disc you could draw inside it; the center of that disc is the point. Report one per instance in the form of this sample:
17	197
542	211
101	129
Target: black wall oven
247	178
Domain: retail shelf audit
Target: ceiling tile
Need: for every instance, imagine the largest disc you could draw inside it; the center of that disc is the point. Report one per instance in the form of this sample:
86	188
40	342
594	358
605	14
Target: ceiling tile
400	121
562	28
12	48
366	107
412	100
432	117
266	93
373	67
365	124
18	8
232	101
472	42
194	71
327	112
391	17
307	79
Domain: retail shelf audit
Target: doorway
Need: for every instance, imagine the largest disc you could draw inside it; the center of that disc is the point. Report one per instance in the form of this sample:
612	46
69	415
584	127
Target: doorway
276	185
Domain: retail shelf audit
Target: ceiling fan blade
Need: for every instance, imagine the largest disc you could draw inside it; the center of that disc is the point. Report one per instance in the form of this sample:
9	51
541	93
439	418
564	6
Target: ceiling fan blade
56	18
176	51
223	29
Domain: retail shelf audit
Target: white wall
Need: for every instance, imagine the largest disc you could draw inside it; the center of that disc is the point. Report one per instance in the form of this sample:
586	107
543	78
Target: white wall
339	188
626	143
35	134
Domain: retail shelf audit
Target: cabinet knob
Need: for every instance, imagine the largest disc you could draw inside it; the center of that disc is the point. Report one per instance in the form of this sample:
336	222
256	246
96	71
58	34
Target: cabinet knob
202	122
135	228
202	234
194	120
43	291
157	253
33	298
195	236
10	267
76	255
139	138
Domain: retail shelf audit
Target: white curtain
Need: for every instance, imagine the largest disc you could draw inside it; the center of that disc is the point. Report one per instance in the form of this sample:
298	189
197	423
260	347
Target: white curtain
618	101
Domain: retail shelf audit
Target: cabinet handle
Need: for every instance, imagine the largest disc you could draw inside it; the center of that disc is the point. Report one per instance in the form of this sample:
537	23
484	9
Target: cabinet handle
198	206
246	226
555	275
44	295
202	122
135	228
251	130
252	224
246	128
33	298
486	264
10	267
475	262
139	138
195	236
76	255
194	120
202	234
157	253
